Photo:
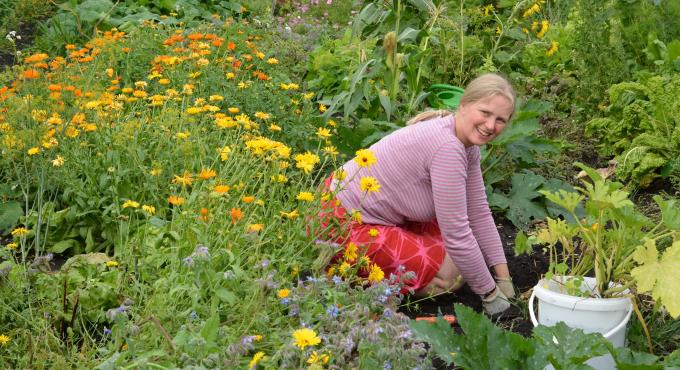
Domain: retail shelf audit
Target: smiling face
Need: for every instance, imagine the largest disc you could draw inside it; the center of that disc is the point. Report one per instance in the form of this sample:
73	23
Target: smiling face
482	121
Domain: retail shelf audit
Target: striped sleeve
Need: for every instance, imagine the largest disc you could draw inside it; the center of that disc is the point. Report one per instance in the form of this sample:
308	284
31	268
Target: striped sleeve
481	221
449	174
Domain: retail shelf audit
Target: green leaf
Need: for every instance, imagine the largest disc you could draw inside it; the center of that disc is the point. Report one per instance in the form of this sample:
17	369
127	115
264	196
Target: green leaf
660	276
225	295
408	34
485	346
498	200
157	222
522	245
423	5
629	360
85	259
10	213
64	245
503	56
210	328
673	50
673	360
386	104
516	33
91	11
670	212
438	335
565	347
522	207
568	200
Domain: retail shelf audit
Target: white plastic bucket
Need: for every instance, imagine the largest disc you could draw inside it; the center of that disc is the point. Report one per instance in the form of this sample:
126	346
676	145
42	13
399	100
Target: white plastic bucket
608	316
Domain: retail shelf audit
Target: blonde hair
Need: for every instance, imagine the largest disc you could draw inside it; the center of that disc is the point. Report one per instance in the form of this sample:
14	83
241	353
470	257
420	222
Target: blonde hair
429	114
482	87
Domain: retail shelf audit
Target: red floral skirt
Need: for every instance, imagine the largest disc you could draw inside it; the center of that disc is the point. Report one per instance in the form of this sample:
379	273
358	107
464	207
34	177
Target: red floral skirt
416	247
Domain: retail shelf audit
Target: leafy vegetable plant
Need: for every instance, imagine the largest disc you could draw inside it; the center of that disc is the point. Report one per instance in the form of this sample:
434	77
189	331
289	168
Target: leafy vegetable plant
613	240
641	128
482	345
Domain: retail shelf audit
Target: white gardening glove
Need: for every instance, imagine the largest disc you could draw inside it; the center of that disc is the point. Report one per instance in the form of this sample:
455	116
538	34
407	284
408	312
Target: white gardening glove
506	286
495	302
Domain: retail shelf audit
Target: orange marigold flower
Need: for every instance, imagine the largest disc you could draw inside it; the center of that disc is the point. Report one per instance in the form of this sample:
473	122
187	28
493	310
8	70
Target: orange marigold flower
204	214
236	214
175	200
221	189
207	174
36	58
54	87
31	74
248	198
231	45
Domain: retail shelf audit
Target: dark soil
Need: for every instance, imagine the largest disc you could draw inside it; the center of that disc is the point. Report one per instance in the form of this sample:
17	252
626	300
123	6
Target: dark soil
525	270
28	32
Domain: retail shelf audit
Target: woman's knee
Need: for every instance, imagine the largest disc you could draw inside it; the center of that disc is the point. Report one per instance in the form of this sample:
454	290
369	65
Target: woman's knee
449	272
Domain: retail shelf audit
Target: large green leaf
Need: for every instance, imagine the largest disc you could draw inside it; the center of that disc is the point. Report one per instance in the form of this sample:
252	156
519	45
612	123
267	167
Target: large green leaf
485	346
567	348
660	276
629	360
210	328
64	245
438	335
10	213
523	209
670	212
91	11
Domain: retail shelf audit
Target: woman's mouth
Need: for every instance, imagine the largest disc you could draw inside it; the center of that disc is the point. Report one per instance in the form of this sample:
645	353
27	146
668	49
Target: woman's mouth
483	132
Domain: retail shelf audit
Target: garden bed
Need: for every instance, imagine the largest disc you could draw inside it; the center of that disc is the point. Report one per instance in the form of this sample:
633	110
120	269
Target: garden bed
525	270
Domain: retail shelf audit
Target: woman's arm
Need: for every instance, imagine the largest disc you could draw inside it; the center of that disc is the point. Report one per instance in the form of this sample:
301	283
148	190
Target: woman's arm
481	221
448	175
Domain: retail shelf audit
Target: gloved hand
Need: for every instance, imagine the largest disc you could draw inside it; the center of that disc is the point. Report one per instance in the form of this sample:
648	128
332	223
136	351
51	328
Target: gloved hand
495	302
506	286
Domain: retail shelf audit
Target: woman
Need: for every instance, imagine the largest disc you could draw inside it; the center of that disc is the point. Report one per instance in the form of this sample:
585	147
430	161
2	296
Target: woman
430	214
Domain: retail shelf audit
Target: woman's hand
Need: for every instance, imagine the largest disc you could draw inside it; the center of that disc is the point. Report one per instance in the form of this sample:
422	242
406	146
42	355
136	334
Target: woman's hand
495	302
503	280
506	286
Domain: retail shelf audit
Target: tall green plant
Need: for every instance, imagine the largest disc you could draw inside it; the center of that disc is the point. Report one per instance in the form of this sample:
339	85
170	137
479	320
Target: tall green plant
641	128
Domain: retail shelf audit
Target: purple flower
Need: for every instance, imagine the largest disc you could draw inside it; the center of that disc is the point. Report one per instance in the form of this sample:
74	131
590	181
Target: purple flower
107	331
332	311
247	340
201	251
349	345
294	310
193	315
337	279
387	312
188	262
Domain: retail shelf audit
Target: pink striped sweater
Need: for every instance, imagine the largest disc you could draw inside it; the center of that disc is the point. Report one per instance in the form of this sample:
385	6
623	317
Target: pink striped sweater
426	173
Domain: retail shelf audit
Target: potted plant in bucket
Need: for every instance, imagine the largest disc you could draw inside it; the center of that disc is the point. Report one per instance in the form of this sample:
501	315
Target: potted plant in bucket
601	256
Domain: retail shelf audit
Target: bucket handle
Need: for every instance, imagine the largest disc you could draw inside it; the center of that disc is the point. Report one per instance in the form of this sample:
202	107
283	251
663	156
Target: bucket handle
608	334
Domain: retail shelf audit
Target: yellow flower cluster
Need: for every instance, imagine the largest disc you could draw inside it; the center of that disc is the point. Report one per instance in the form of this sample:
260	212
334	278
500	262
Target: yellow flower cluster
263	145
306	161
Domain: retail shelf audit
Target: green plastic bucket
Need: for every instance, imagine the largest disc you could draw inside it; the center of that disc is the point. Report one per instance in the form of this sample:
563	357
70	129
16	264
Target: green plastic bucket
444	96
